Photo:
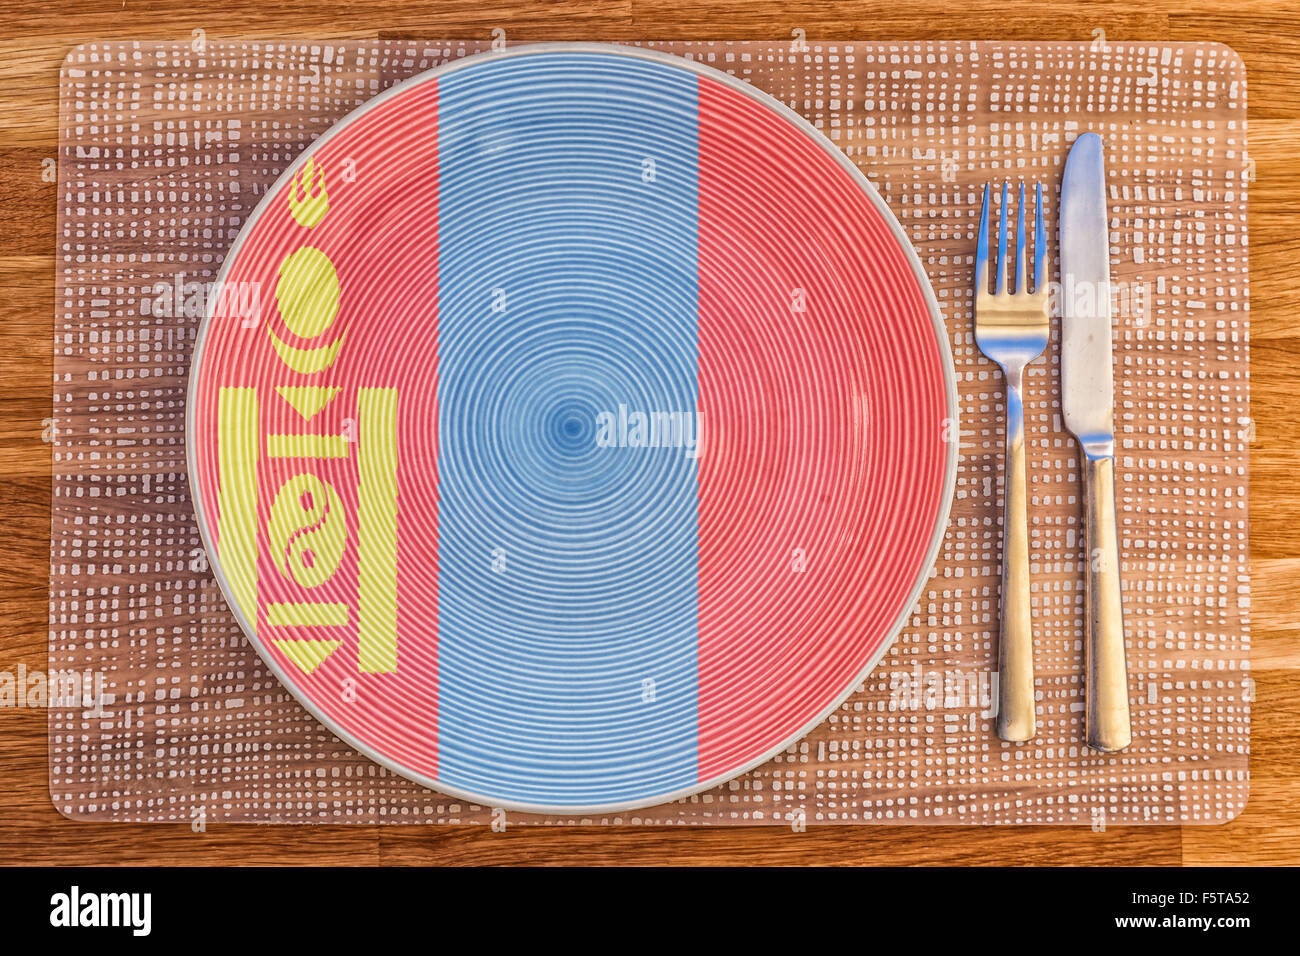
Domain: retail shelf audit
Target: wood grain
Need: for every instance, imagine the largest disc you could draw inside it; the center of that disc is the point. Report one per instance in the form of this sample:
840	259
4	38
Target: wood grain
33	41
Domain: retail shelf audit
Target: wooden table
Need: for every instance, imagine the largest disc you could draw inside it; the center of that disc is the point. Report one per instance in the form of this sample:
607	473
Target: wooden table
33	42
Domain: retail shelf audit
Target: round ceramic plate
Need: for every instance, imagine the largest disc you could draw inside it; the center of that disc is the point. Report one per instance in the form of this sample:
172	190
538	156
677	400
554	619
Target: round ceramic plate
572	428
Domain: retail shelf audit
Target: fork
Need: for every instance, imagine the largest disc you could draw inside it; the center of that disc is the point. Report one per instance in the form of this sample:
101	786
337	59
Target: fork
1011	329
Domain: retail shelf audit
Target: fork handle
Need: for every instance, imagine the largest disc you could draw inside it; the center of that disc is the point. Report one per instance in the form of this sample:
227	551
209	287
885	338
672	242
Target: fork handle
1016	718
1108	726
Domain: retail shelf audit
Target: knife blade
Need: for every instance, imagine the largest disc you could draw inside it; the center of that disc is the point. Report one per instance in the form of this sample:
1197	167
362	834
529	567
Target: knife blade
1087	405
1087	384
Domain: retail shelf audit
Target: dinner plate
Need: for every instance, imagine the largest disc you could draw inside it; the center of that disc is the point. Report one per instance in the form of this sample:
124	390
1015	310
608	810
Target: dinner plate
572	428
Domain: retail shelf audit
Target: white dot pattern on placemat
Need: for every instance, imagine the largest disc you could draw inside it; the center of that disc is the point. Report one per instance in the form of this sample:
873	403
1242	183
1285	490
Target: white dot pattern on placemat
165	149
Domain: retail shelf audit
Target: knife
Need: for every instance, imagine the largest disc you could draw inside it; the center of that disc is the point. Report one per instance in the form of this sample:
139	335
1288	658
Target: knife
1088	402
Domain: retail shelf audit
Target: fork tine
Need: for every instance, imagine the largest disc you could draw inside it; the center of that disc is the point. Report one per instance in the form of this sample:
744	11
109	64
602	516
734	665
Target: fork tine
1021	278
1001	274
982	248
1040	243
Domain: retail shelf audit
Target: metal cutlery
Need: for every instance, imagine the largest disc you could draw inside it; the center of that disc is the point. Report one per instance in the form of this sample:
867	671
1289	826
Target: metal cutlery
1011	329
1087	401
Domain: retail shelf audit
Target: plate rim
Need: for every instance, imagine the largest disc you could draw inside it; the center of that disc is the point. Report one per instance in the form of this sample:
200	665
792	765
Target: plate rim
900	236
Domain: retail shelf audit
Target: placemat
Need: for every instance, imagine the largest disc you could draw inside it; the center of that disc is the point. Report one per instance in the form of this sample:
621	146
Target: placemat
160	710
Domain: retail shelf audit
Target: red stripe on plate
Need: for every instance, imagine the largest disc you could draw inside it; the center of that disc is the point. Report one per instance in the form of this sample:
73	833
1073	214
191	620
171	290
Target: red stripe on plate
823	398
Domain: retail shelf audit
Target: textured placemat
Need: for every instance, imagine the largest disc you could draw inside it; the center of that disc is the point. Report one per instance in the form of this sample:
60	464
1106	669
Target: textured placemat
164	712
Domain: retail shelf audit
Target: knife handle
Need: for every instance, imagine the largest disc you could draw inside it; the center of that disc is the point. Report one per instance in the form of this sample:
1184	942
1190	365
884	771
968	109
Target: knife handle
1108	726
1016	718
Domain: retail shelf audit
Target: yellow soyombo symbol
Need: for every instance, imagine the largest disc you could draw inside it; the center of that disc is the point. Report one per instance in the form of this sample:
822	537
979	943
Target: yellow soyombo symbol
307	294
307	530
308	201
305	361
307	400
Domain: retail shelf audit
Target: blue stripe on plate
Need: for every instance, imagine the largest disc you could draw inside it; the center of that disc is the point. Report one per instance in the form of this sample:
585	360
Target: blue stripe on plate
567	570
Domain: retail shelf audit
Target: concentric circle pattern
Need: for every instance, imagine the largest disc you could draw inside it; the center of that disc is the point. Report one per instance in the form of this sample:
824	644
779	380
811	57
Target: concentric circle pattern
570	430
